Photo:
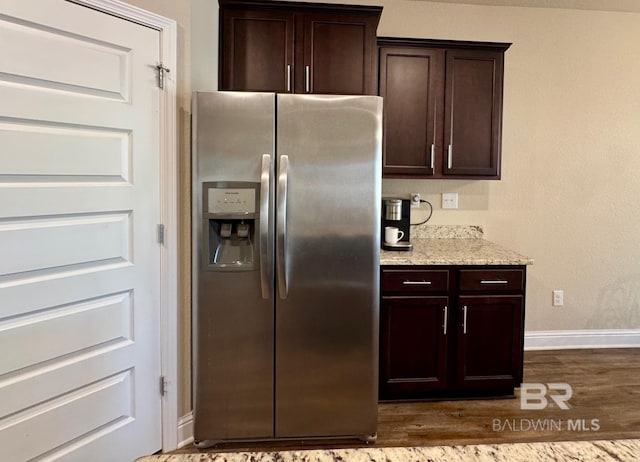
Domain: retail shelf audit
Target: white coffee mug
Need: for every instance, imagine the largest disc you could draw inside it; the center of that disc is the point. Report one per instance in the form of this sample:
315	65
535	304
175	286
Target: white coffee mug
392	235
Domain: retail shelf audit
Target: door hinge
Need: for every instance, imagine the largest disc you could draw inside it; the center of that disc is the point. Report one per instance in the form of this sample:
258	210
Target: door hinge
161	72
160	234
163	385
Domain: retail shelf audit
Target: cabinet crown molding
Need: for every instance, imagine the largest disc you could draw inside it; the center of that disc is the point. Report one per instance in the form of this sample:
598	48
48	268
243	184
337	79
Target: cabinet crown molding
301	6
441	43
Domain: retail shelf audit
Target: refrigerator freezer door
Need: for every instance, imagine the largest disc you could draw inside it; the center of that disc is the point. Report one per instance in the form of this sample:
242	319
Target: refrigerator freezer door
327	321
233	311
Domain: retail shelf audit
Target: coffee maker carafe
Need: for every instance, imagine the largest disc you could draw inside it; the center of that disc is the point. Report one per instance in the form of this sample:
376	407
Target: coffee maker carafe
396	213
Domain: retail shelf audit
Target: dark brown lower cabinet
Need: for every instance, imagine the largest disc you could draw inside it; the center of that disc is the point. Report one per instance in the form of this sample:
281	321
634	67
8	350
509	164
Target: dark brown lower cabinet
451	331
413	345
489	343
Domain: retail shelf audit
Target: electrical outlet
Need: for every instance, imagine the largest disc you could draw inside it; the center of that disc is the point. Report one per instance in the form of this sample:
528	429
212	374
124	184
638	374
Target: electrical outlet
558	297
449	200
415	200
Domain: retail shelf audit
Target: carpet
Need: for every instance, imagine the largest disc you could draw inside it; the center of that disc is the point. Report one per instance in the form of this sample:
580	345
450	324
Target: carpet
576	451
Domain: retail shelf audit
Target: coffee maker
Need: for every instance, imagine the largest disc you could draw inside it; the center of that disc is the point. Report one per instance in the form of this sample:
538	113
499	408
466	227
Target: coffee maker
396	213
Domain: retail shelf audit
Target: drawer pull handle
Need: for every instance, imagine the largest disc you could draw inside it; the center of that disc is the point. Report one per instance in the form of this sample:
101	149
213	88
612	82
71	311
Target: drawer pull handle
417	283
493	281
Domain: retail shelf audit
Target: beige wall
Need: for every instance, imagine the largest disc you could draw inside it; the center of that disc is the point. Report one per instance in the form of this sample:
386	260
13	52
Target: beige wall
571	154
571	150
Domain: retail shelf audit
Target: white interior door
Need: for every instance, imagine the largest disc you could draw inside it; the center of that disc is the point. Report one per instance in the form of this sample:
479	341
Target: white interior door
79	258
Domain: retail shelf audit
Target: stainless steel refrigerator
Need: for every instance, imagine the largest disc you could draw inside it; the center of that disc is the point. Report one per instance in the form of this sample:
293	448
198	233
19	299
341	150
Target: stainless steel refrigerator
286	235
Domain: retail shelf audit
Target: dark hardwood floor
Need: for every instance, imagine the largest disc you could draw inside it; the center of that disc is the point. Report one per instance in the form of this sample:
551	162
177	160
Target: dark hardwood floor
605	405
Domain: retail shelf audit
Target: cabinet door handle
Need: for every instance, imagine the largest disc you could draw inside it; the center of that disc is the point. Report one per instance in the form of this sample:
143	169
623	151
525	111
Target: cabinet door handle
433	155
307	79
289	78
417	283
464	319
450	157
446	317
494	281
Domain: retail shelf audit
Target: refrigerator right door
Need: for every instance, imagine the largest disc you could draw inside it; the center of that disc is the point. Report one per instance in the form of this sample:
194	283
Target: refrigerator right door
327	265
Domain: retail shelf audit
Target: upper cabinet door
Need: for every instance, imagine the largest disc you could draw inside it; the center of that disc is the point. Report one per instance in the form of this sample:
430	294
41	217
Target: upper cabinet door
297	47
412	85
443	107
338	54
473	113
257	50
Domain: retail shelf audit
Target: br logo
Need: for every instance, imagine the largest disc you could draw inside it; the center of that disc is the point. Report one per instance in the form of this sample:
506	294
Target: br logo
534	396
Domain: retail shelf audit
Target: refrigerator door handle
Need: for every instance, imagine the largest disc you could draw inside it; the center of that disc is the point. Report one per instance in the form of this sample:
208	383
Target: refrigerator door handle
265	265
282	226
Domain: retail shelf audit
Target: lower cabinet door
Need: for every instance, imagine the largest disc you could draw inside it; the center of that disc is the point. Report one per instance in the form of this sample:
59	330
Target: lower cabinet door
413	346
489	342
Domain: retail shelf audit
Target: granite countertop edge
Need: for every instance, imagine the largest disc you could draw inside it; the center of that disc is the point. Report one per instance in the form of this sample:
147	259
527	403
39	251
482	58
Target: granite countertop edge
454	251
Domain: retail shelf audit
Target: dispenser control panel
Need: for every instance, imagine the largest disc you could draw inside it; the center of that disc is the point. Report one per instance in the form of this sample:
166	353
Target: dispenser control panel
232	200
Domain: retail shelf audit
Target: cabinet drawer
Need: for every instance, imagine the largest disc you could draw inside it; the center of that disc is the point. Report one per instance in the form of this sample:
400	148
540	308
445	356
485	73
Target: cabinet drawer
415	281
491	280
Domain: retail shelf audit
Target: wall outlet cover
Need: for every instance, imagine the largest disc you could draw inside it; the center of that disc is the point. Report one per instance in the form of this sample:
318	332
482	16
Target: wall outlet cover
558	298
449	200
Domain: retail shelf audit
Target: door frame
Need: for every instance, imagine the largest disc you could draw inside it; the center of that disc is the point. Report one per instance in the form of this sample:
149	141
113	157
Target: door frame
168	204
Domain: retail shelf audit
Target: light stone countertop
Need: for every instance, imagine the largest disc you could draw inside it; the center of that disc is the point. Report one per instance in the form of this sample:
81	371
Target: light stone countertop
580	451
452	245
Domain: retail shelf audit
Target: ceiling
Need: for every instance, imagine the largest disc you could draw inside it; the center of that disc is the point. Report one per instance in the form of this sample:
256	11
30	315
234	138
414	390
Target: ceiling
602	5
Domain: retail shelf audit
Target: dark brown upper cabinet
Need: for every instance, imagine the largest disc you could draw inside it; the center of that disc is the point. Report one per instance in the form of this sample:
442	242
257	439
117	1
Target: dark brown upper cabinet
442	108
256	52
295	47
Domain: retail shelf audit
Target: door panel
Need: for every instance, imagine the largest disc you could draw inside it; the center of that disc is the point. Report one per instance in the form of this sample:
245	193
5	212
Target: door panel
51	66
73	152
40	243
79	207
327	326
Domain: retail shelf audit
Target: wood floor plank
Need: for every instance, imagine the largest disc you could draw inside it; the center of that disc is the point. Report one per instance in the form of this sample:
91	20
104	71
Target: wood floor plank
606	393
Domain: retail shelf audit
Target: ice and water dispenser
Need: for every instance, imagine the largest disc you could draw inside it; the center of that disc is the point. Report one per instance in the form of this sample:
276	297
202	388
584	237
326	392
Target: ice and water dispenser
230	221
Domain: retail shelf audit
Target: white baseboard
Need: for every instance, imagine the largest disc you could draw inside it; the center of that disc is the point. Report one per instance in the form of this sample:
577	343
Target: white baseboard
573	339
185	430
